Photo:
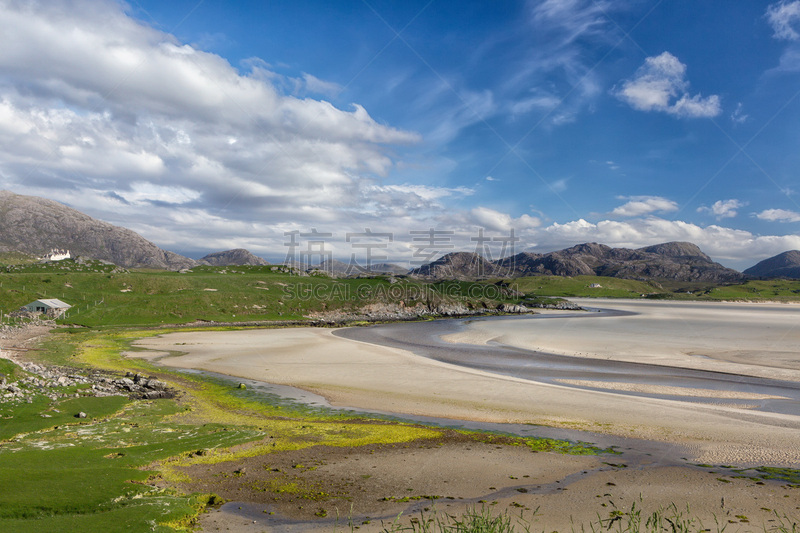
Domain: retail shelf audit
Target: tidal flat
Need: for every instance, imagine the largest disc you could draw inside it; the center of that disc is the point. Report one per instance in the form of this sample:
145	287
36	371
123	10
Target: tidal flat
695	442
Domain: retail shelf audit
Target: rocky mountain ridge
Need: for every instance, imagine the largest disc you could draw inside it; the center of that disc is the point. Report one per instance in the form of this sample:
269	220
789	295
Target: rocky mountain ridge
35	226
677	261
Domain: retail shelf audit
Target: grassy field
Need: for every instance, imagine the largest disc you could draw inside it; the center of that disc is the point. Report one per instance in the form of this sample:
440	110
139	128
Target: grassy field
604	287
103	295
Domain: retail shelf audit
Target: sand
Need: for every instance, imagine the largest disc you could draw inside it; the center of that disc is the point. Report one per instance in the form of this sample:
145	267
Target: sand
552	491
355	374
744	338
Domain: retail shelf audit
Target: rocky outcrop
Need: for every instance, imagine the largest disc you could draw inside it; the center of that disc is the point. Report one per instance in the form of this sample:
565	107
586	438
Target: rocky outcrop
236	257
785	265
380	312
33	225
56	383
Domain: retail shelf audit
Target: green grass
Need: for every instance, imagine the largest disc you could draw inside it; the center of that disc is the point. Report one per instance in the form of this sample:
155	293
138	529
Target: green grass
103	295
44	413
581	287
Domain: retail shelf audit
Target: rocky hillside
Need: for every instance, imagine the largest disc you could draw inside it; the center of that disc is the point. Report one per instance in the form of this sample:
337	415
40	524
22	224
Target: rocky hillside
458	265
238	257
785	265
674	261
35	226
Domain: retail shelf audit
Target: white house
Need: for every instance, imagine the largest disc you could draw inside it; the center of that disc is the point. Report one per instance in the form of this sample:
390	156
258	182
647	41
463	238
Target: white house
51	307
57	255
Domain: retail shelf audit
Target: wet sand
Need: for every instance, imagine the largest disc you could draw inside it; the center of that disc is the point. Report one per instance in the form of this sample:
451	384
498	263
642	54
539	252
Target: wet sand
357	374
717	424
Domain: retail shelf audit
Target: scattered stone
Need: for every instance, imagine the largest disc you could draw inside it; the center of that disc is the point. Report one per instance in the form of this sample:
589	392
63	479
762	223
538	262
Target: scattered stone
241	386
81	415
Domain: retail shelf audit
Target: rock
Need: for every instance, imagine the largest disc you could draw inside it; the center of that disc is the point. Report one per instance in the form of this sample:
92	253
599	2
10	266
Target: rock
126	383
81	415
154	384
512	308
241	386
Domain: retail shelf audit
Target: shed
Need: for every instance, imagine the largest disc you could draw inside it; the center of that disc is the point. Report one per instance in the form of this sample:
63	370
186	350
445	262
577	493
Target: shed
50	307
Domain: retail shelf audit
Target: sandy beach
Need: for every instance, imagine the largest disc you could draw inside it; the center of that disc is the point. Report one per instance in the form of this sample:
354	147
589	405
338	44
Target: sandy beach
356	374
553	492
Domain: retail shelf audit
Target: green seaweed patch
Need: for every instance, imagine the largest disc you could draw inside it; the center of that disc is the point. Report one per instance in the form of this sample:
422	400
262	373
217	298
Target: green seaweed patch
542	444
790	475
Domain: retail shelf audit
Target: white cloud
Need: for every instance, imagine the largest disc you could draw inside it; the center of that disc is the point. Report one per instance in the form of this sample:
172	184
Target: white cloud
497	221
540	101
94	100
577	18
491	178
738	116
554	71
660	85
723	208
779	215
784	17
643	205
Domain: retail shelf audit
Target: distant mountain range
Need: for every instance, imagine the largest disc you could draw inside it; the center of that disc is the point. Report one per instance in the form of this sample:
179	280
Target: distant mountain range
678	261
35	226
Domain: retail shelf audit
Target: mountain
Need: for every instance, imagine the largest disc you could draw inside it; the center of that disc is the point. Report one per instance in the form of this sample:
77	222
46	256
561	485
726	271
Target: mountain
457	265
33	225
388	268
338	268
238	256
676	261
785	265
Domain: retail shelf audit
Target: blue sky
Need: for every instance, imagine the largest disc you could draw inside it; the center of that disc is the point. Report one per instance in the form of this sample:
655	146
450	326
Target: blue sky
212	125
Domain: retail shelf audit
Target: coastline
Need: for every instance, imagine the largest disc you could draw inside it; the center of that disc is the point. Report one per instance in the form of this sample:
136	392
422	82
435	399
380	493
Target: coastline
367	486
357	374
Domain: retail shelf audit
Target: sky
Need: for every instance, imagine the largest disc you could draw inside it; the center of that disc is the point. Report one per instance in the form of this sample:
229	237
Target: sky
370	130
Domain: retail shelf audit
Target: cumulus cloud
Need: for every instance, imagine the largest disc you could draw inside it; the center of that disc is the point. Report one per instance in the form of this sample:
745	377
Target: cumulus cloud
497	221
643	205
660	85
784	17
723	208
96	106
779	215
